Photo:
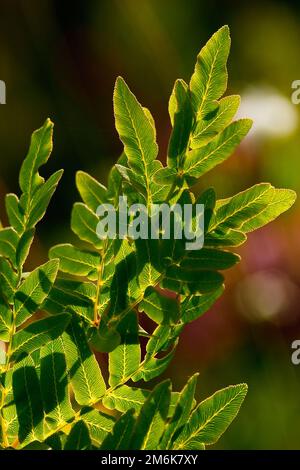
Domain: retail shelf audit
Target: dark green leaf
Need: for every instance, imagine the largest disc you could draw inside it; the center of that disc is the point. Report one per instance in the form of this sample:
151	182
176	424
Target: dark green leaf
207	128
209	80
120	436
158	307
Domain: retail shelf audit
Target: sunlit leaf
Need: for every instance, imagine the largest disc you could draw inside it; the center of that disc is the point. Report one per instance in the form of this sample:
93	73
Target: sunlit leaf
149	425
34	290
211	418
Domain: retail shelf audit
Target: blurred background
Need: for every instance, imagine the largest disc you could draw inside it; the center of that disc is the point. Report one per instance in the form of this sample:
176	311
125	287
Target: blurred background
61	58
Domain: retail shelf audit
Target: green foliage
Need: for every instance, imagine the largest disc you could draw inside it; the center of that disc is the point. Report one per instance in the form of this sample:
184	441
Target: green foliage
56	392
211	418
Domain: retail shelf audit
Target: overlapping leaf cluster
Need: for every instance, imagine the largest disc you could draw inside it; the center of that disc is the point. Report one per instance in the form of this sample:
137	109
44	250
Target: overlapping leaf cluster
54	394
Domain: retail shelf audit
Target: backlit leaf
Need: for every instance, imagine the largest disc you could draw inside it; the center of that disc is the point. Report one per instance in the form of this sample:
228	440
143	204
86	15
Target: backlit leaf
150	422
35	335
79	438
124	360
206	129
84	224
34	290
211	418
86	378
54	384
135	130
120	436
181	414
92	192
209	80
200	161
38	154
75	261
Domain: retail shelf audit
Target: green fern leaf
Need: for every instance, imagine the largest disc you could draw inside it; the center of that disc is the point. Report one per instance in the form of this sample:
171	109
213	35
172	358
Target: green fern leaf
54	385
34	290
209	80
75	261
120	436
92	193
98	424
124	360
211	418
38	154
181	414
79	438
150	422
136	132
38	333
200	161
86	378
209	127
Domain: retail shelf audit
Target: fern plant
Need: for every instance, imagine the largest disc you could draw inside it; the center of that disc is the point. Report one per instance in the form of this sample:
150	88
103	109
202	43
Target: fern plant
91	297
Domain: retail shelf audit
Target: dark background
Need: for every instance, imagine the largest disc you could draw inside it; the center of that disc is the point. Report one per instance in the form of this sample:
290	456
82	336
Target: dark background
61	58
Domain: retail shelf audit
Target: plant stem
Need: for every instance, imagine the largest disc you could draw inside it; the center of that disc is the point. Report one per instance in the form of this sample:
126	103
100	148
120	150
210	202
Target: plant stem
100	282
